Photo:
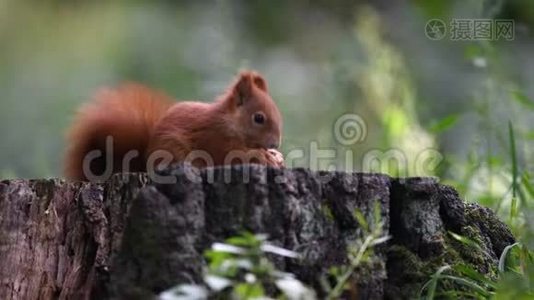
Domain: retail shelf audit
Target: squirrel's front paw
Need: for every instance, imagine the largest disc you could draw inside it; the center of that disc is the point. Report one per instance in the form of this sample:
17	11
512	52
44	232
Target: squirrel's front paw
275	158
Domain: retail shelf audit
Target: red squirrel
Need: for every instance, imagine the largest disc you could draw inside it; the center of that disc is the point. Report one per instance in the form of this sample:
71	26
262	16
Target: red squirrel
131	124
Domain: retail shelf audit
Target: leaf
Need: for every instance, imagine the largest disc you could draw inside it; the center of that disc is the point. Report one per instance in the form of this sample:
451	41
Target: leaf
396	121
465	240
327	211
325	284
249	291
185	292
240	240
279	251
216	258
247	240
293	289
220	247
380	240
377	214
360	218
522	99
334	271
243	263
217	283
444	124
529	135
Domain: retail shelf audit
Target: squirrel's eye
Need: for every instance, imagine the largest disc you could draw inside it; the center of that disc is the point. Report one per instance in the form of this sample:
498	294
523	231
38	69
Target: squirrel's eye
259	118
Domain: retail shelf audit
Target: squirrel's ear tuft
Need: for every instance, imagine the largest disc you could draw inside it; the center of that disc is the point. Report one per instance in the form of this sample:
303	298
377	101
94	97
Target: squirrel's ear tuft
243	88
259	81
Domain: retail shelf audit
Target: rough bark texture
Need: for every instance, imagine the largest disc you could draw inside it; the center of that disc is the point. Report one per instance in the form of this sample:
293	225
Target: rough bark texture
131	239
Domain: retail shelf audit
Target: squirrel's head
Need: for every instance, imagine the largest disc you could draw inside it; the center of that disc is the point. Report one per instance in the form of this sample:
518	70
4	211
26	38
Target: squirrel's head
258	118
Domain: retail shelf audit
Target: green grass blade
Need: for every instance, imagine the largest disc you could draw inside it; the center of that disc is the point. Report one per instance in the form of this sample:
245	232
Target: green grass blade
504	254
529	187
473	274
469	283
444	124
513	156
433	283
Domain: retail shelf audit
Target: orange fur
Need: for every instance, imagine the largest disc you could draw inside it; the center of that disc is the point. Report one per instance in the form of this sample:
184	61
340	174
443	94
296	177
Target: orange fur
146	121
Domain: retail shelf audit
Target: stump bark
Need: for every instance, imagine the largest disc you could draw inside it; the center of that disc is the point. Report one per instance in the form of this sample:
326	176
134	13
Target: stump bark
131	238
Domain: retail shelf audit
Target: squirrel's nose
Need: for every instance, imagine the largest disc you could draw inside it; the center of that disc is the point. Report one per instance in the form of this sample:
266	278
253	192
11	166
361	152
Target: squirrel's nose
273	143
274	146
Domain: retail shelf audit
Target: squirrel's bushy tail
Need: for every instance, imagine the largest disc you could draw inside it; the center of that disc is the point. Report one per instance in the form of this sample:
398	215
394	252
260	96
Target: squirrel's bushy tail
118	125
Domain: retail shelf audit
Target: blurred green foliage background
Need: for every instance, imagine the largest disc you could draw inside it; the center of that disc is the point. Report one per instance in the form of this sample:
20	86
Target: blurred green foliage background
470	102
322	59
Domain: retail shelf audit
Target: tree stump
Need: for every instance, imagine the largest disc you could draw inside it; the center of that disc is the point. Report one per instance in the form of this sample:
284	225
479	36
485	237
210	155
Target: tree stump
131	238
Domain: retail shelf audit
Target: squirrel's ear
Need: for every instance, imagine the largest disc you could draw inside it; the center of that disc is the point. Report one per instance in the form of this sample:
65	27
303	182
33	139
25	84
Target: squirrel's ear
259	82
242	90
